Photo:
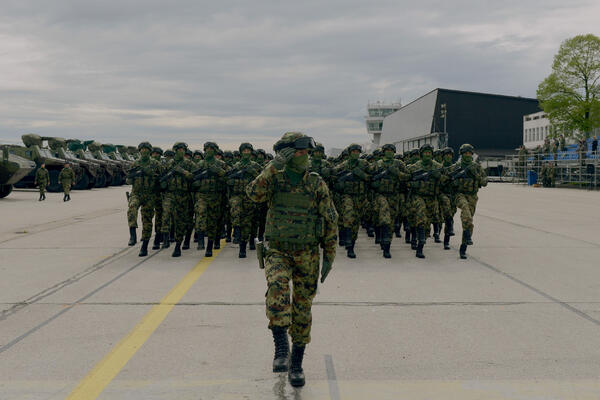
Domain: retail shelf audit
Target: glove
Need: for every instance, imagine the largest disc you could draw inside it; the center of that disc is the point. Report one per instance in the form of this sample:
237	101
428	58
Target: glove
360	173
213	167
252	171
436	174
283	157
325	268
179	170
395	171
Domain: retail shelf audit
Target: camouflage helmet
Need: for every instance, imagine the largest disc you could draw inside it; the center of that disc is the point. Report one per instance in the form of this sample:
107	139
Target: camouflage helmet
188	152
447	150
426	147
228	154
377	152
180	145
296	140
169	153
319	147
413	152
437	153
214	146
236	153
246	145
344	152
218	151
388	146
144	145
354	146
466	147
198	153
269	156
157	150
261	151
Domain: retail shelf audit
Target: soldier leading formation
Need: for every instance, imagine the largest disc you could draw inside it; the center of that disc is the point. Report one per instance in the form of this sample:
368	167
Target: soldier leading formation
291	204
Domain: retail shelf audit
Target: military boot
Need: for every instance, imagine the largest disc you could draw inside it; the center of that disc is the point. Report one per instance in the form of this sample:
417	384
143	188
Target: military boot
177	250
65	197
413	238
421	243
296	374
449	226
166	242
252	244
377	235
350	250
463	251
209	248
41	197
372	232
406	235
68	197
228	234
156	243
446	242
242	249
217	244
144	248
200	241
44	196
386	241
467	238
196	237
282	349
237	234
186	241
436	233
397	231
132	237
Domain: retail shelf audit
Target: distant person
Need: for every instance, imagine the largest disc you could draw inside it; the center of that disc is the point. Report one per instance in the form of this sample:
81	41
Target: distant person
594	145
563	143
42	179
66	179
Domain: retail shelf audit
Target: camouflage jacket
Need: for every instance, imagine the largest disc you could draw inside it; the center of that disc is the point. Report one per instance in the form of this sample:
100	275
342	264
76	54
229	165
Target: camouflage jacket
262	189
209	176
425	179
41	176
240	175
467	178
389	176
350	177
177	175
66	175
146	176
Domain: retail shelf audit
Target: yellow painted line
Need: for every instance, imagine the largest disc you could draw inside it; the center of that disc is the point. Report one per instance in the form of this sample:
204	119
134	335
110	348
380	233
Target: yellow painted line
108	368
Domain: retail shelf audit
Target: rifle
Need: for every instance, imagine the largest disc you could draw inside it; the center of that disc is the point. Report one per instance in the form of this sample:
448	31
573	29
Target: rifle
381	175
167	177
422	175
200	174
344	176
136	172
458	174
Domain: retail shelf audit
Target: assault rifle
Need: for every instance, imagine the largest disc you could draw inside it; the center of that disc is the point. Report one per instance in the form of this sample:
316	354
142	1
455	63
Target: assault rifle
344	175
168	176
136	172
200	174
422	175
381	175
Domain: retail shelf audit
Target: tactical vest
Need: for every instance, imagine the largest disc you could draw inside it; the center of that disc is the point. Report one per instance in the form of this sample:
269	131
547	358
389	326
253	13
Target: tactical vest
466	185
293	218
177	183
389	183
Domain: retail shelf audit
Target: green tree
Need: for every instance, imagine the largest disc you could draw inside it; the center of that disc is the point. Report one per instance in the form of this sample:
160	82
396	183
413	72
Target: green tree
570	95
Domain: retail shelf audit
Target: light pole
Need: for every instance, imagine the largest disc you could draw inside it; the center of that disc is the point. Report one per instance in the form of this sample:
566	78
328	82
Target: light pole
443	115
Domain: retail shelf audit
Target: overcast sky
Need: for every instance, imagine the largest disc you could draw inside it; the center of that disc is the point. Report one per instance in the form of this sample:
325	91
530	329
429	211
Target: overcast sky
231	71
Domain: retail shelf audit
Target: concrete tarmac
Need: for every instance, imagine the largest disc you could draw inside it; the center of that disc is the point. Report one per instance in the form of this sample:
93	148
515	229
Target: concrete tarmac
84	317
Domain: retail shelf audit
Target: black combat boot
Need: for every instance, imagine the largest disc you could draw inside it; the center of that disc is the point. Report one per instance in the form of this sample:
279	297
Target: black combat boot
65	197
421	243
386	250
296	374
350	250
41	197
386	241
144	248
242	249
467	238
446	242
166	242
156	243
177	250
282	349
68	197
196	237
237	234
436	233
463	251
228	234
217	244
252	244
132	237
449	226
44	196
372	232
377	235
397	230
200	241
407	235
413	238
209	248
186	241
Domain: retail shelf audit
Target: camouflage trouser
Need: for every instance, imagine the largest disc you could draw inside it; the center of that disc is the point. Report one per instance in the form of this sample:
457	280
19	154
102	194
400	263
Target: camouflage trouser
260	218
425	211
387	206
337	203
207	208
467	204
370	214
66	185
242	214
158	213
43	185
402	205
302	268
352	209
147	202
447	206
176	206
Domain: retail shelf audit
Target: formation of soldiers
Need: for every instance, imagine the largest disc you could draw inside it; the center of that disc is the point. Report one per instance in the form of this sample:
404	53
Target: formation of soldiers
203	195
295	204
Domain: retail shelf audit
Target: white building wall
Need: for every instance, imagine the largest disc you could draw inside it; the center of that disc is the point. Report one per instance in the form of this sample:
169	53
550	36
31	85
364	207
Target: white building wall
413	120
536	127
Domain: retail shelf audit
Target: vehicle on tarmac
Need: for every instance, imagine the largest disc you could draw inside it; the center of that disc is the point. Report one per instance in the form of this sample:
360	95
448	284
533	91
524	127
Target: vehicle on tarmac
121	167
106	170
12	169
89	171
115	155
35	152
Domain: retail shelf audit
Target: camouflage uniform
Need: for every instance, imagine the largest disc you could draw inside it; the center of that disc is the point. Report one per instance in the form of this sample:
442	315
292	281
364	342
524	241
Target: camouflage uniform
42	179
351	179
424	192
66	178
447	197
177	200
209	186
144	193
242	208
301	217
158	204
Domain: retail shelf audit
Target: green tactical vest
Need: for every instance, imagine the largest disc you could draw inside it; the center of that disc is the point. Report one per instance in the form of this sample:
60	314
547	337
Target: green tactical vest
292	217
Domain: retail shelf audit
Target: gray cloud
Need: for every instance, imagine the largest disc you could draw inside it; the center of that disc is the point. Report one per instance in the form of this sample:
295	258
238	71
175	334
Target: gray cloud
126	71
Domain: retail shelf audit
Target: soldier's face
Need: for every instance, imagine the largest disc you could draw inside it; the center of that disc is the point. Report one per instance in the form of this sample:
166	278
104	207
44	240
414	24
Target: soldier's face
301	152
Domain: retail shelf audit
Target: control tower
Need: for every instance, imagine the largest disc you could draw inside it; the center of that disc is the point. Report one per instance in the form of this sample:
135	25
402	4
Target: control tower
376	113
